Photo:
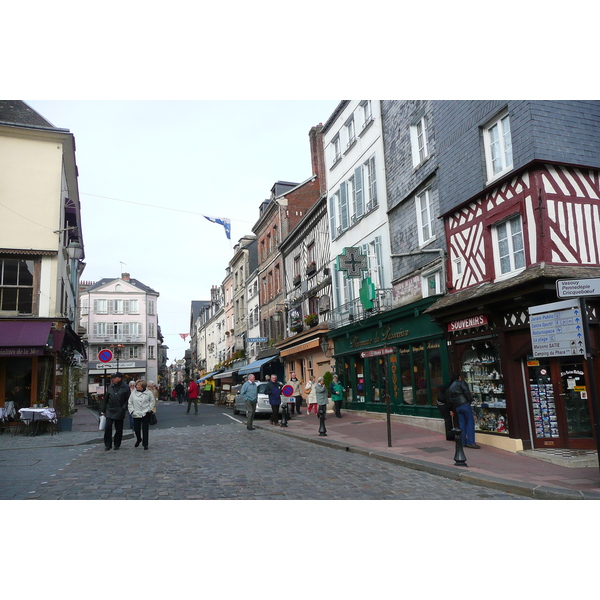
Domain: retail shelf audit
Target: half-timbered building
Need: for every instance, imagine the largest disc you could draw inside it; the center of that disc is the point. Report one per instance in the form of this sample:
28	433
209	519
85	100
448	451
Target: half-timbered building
520	202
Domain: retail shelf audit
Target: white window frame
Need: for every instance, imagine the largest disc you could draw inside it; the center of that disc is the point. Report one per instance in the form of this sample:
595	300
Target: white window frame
133	351
503	142
425	217
370	189
419	141
151	353
151	307
514	270
151	328
425	289
367	112
335	150
350	132
101	306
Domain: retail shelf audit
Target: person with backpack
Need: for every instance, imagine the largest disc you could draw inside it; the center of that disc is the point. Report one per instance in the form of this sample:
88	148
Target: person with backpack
460	403
443	404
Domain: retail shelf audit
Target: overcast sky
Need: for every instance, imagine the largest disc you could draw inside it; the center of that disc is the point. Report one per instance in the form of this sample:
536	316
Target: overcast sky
149	169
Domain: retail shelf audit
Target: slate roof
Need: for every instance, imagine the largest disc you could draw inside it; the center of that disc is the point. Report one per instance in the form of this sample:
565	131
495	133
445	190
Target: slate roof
17	112
138	284
487	291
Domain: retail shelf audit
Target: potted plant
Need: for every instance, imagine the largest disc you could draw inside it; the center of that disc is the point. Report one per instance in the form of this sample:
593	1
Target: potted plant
311	268
311	319
297	280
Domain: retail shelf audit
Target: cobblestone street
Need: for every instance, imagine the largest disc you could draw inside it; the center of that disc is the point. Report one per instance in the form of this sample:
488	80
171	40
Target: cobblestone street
228	462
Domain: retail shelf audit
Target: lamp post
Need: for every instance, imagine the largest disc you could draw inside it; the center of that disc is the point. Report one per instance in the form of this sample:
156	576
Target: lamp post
117	352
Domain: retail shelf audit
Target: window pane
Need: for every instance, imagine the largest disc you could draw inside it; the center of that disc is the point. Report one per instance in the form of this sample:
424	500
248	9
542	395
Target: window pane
9	299
495	149
26	301
10	271
419	371
507	141
26	273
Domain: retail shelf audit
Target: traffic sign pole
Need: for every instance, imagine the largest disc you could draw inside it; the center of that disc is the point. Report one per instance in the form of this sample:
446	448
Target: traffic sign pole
591	375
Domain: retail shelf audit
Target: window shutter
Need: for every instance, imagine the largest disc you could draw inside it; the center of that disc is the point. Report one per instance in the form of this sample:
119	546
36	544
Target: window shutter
358	182
111	307
96	307
343	207
332	216
373	181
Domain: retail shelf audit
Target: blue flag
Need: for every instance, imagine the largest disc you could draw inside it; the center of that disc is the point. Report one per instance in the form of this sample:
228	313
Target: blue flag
225	222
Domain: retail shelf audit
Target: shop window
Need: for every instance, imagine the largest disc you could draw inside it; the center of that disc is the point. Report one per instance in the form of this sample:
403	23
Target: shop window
406	375
481	370
420	376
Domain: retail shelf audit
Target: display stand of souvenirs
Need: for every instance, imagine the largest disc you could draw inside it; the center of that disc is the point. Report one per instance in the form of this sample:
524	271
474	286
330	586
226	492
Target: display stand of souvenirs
481	371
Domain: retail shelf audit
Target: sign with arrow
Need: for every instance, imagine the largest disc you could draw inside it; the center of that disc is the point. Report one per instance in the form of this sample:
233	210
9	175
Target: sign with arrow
557	329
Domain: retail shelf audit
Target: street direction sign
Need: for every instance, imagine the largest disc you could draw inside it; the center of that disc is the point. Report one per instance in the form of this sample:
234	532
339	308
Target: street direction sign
557	329
105	356
577	288
258	339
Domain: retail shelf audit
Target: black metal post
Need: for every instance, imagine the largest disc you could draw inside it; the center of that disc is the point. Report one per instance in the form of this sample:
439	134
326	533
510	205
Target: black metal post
460	460
389	421
284	419
322	428
591	375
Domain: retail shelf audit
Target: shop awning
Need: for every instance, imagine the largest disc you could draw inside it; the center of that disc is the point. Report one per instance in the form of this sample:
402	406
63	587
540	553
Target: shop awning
24	333
207	376
256	365
224	374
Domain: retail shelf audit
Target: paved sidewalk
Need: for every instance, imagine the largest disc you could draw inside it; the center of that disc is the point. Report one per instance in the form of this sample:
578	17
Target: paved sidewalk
426	450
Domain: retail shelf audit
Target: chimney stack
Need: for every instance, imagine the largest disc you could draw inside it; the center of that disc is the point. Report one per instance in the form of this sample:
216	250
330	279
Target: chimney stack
125	276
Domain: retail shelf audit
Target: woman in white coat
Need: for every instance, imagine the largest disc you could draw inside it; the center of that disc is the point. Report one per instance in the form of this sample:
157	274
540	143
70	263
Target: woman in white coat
311	401
140	405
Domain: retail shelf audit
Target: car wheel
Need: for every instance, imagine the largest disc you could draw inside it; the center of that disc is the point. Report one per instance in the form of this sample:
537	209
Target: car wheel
235	410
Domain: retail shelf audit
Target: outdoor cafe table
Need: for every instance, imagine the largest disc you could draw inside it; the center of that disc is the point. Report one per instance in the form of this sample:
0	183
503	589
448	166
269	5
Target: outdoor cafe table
34	415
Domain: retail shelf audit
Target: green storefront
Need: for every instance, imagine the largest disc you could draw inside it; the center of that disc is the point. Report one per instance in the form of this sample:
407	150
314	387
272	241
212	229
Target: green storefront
399	354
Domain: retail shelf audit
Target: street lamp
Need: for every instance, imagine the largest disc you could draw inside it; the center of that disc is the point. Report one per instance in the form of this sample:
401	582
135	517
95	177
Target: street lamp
117	352
325	346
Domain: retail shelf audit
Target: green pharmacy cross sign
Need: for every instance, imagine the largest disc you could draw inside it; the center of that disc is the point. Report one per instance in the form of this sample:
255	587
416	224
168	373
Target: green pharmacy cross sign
353	262
367	293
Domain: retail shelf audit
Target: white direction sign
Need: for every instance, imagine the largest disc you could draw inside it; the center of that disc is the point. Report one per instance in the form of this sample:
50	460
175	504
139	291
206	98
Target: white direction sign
557	329
577	288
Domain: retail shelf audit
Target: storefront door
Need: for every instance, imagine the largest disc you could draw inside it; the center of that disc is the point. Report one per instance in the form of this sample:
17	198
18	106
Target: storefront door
560	403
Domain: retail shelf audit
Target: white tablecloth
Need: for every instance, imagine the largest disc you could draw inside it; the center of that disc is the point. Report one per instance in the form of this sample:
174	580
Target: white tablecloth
37	414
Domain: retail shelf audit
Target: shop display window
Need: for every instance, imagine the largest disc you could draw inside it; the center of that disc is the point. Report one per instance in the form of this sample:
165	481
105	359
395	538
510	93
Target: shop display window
481	371
542	400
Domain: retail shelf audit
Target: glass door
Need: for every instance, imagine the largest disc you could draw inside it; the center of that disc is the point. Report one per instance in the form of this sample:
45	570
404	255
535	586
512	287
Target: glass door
574	393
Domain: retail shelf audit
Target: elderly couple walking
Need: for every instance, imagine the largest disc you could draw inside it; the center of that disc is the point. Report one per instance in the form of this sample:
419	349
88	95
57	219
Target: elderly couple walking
118	399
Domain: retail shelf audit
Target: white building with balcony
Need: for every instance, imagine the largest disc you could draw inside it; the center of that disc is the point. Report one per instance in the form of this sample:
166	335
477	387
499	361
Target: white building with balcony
121	315
357	207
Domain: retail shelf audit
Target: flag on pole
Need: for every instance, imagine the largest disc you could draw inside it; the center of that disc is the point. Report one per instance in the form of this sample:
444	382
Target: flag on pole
184	335
225	222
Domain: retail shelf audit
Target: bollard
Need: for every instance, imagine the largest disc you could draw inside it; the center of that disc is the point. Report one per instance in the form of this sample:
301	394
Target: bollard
460	460
284	415
322	428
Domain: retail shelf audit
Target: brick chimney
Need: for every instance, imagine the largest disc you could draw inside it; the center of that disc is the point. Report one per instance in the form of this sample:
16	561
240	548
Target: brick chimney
317	154
125	276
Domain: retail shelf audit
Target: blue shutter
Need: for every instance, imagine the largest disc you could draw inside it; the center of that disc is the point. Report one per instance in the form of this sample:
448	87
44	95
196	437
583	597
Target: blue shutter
358	182
343	207
332	217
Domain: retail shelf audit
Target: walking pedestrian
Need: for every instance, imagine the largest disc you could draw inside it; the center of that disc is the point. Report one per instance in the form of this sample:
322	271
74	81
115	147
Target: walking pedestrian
460	400
297	394
131	390
249	393
443	404
337	390
192	393
322	397
273	390
114	408
141	403
311	401
154	389
180	390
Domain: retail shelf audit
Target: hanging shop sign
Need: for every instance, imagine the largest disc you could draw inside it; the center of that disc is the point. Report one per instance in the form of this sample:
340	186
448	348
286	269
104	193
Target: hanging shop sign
557	329
377	352
478	321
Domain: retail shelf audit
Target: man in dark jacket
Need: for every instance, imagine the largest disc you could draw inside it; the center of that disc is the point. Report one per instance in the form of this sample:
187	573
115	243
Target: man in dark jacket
114	408
460	400
179	390
443	404
273	389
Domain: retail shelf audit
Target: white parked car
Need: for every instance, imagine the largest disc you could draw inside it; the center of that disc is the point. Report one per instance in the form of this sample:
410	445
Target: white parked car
262	404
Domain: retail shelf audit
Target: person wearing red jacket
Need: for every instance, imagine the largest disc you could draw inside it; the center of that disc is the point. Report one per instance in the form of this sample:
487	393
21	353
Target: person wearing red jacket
192	392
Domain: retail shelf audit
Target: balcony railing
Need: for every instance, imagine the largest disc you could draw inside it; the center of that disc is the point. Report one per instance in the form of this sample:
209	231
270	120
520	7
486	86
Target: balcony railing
353	311
116	339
